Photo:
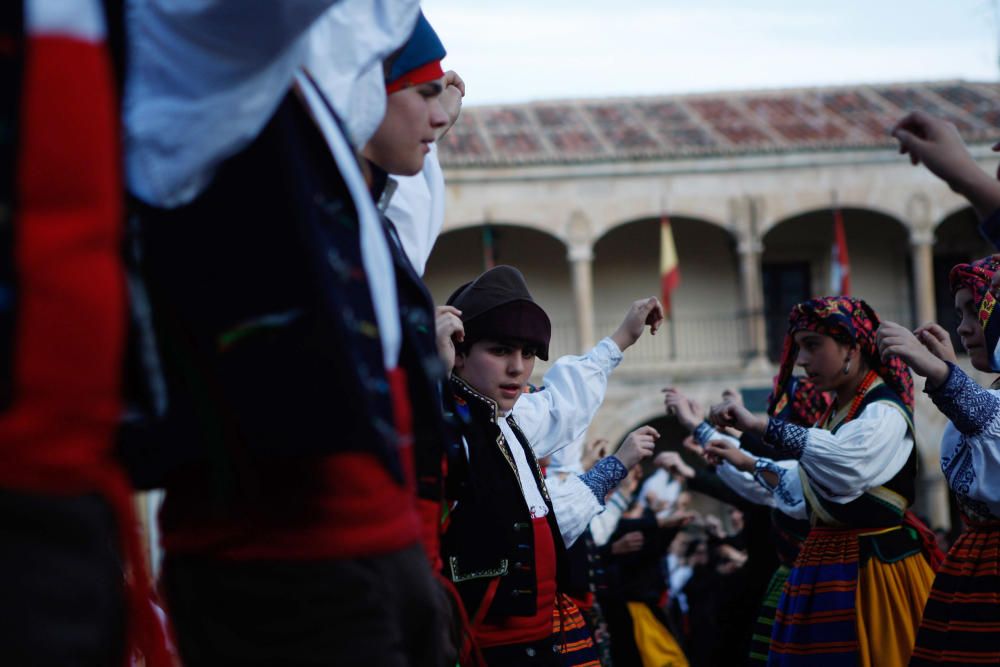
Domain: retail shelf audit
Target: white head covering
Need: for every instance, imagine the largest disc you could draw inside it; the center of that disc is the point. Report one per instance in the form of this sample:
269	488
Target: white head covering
204	77
344	55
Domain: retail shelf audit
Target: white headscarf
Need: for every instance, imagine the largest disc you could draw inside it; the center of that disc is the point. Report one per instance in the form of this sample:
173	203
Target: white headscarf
204	77
345	50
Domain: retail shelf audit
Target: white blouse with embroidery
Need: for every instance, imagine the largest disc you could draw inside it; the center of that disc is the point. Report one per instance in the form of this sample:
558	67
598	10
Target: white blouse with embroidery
970	447
786	495
554	418
864	453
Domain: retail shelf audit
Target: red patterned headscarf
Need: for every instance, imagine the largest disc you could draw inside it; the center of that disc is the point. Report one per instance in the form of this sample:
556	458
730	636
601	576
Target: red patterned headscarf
846	320
801	403
976	277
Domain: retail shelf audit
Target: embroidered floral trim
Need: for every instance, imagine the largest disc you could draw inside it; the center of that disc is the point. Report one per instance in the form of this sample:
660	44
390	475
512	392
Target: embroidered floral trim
961	475
786	437
604	477
969	407
459	577
780	489
704	432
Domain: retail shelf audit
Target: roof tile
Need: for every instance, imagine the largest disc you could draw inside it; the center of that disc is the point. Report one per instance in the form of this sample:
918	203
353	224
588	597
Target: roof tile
711	124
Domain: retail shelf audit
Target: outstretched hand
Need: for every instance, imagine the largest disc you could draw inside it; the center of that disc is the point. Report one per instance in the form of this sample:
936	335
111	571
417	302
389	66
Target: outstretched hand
642	313
730	395
594	451
721	450
674	464
451	99
895	340
689	413
936	143
627	543
937	341
677	519
734	415
638	445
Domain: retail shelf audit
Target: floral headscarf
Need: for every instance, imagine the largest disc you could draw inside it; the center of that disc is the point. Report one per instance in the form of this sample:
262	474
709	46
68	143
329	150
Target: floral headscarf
846	320
801	403
976	277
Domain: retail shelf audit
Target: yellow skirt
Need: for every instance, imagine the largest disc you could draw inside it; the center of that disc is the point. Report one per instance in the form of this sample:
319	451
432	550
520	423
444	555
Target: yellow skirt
656	645
890	602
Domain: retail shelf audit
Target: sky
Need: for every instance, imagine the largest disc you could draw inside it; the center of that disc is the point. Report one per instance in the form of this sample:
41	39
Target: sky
524	50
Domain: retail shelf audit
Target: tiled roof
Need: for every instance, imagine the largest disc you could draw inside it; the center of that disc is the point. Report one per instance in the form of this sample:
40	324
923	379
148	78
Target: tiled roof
579	131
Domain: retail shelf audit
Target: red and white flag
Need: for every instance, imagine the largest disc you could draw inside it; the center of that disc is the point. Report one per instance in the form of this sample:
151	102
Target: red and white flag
840	264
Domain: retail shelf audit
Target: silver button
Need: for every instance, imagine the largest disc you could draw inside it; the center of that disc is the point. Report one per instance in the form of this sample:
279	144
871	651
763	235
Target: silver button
530	651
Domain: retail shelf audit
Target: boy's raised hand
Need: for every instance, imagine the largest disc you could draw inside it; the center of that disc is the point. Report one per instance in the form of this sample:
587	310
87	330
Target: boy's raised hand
638	445
448	328
641	313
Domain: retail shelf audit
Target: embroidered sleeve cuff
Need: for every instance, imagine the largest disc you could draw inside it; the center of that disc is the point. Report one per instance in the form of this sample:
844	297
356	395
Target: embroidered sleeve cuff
969	407
607	354
704	432
780	489
604	476
990	229
785	437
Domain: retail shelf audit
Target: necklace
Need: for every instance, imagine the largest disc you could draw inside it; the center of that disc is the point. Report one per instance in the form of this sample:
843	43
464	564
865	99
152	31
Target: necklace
859	396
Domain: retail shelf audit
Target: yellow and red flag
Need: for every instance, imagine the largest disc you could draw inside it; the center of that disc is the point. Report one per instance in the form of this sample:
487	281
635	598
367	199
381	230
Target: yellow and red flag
670	272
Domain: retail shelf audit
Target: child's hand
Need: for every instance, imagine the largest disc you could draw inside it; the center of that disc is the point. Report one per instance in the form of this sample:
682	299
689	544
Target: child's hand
895	340
937	341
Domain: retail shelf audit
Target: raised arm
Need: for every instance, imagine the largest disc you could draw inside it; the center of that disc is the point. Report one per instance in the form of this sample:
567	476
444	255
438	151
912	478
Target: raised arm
204	76
574	387
863	454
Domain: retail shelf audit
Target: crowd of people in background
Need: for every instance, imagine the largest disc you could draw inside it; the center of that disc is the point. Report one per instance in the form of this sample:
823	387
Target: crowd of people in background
214	220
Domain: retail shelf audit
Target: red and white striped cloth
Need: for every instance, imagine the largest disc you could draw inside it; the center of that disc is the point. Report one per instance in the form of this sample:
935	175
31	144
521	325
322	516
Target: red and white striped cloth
57	435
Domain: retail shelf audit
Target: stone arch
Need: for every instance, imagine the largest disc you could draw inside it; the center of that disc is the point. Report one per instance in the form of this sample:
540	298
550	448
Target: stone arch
545	229
777	210
706	305
624	218
960	208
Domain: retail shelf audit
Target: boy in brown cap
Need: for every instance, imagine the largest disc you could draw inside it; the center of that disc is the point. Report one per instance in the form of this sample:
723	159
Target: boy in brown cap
502	547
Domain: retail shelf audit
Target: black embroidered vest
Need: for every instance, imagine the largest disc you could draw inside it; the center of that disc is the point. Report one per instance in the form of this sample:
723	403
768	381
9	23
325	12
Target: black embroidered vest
434	436
262	321
490	533
880	508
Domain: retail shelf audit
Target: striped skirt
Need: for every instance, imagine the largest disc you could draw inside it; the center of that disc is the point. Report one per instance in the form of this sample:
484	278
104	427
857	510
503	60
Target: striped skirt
834	611
760	642
574	643
961	624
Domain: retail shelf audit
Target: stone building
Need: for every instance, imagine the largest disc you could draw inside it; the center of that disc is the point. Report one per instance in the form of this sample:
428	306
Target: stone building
572	193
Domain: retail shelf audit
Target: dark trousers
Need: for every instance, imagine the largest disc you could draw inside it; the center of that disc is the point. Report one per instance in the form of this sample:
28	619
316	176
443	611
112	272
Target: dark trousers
534	654
61	584
383	611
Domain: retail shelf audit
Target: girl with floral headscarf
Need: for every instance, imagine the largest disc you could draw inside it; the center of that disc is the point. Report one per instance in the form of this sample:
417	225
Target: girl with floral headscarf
962	620
857	589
